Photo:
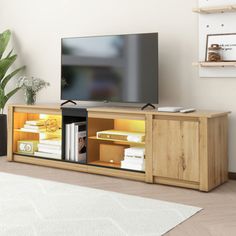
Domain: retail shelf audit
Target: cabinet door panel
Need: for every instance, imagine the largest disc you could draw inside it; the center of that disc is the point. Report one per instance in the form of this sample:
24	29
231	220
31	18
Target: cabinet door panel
176	149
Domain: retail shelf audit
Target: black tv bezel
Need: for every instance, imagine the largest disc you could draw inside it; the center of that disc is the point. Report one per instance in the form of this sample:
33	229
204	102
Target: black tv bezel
106	101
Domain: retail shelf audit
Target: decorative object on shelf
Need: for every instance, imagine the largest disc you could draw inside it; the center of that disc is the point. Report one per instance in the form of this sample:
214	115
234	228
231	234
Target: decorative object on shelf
220	22
51	125
5	63
31	86
221	47
27	146
214	53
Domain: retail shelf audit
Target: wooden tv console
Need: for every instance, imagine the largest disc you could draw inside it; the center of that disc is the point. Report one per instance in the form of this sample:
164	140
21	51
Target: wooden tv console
186	150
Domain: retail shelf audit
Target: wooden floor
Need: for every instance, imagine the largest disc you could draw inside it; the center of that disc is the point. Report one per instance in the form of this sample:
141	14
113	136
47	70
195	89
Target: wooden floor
217	219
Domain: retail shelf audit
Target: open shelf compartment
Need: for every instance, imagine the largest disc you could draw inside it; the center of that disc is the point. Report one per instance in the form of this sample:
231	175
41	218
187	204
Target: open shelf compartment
26	141
110	152
73	116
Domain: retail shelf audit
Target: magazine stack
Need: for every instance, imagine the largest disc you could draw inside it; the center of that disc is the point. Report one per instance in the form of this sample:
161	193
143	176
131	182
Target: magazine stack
75	143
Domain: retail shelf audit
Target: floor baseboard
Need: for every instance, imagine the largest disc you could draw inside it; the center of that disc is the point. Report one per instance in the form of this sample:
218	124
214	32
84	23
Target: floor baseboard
232	175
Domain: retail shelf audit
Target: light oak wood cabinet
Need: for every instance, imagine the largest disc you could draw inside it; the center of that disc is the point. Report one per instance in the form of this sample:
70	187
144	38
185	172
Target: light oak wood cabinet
186	150
176	149
190	151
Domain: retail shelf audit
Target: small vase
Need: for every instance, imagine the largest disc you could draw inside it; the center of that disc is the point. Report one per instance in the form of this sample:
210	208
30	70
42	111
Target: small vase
30	97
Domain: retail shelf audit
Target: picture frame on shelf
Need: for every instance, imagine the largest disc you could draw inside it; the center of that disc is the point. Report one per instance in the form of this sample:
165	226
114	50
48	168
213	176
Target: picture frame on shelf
227	44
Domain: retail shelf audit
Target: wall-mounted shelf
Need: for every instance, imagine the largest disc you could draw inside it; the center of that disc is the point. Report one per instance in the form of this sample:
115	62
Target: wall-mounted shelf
215	9
211	21
215	64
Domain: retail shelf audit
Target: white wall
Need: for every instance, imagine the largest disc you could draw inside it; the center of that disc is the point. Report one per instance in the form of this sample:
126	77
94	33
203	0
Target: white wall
38	26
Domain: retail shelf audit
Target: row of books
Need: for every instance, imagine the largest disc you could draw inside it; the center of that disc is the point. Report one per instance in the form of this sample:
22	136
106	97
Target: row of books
34	126
75	142
49	148
134	159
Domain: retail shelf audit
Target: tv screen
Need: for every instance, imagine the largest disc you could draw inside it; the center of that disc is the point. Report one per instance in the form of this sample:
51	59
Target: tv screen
118	68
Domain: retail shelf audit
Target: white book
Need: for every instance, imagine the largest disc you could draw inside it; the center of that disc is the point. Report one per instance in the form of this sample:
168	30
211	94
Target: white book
52	141
135	151
135	138
48	150
138	157
35	122
35	127
42	145
72	142
76	142
134	160
30	130
132	166
48	155
67	142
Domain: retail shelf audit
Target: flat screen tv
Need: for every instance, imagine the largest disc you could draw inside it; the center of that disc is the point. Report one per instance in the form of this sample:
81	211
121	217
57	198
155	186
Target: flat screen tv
115	68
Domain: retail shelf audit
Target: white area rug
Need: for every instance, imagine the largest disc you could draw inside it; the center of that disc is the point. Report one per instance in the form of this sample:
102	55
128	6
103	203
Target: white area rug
31	206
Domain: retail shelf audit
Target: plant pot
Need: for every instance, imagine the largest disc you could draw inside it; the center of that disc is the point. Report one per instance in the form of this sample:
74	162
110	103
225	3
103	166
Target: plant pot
3	135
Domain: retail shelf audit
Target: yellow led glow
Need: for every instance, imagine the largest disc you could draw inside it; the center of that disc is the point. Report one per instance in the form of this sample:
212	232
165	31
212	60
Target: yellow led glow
130	125
43	116
56	117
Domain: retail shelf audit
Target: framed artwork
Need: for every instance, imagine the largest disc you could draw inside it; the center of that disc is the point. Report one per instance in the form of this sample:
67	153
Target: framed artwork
227	42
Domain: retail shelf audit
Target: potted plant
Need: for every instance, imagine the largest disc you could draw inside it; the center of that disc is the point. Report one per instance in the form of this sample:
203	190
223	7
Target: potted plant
6	61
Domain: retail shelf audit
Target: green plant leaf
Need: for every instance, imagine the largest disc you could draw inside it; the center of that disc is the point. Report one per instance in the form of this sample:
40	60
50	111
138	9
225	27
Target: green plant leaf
4	40
8	77
9	54
5	64
7	97
2	95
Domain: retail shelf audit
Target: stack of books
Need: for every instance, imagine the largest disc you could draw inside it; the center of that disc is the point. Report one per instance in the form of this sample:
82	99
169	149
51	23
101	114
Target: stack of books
34	126
121	135
49	148
75	149
134	159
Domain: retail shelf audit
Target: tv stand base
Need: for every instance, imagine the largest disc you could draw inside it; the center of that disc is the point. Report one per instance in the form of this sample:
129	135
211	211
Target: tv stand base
68	101
148	105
